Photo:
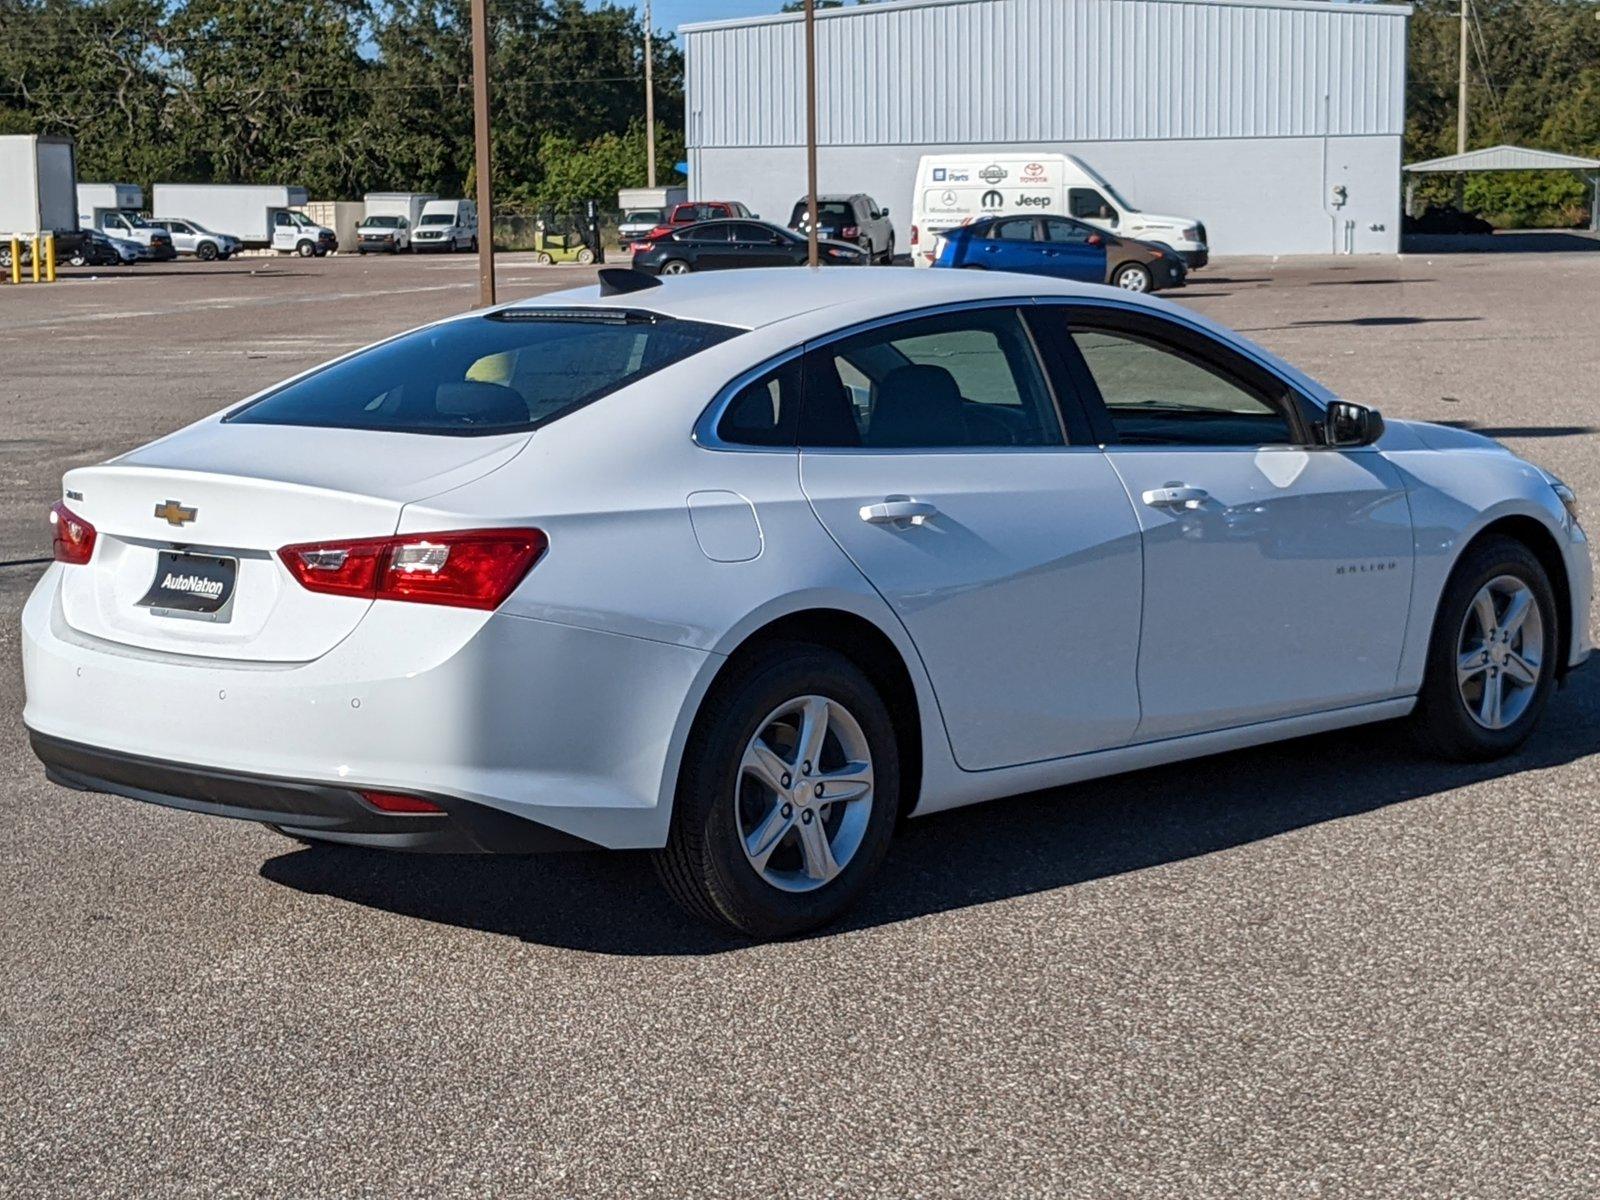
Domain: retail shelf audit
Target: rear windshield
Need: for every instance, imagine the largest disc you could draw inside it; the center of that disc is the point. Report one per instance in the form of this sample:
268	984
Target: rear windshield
827	210
514	370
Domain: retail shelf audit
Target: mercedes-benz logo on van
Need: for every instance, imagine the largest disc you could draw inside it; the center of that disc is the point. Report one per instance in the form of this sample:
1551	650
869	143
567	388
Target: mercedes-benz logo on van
993	173
993	199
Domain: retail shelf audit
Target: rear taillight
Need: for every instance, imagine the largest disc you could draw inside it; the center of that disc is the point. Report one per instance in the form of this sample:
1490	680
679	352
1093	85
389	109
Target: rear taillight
851	233
71	537
401	804
472	568
915	235
659	232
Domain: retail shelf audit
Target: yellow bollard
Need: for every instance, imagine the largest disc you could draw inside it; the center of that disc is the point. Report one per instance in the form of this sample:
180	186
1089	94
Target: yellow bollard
49	258
33	263
16	260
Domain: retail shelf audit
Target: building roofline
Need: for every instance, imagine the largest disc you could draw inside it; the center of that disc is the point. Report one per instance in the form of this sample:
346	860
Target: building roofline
1484	159
833	14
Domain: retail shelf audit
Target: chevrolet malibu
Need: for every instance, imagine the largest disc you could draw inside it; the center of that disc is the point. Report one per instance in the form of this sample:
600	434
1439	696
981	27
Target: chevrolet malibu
744	568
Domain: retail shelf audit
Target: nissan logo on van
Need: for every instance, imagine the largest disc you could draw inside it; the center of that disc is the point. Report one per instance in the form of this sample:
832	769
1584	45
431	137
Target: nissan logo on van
993	173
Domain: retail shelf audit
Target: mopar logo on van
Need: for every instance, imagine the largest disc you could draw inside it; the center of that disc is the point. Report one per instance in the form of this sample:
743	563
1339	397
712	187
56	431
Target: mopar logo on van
993	200
993	173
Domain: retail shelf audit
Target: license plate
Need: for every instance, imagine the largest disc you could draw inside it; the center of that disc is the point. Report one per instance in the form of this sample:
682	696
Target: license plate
198	587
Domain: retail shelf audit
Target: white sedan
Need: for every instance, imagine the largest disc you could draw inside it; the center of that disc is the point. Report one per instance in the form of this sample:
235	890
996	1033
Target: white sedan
742	568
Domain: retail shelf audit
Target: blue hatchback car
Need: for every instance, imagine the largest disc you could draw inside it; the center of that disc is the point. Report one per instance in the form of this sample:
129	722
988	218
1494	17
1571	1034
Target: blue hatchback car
1062	247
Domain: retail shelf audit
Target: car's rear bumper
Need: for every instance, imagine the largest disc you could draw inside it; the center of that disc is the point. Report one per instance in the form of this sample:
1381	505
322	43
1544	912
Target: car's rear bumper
549	723
317	810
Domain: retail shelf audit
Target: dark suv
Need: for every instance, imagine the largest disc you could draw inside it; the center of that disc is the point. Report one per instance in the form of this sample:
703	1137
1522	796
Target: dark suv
856	219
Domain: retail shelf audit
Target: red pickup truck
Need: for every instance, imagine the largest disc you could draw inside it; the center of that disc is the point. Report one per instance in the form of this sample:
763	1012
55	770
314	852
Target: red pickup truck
690	212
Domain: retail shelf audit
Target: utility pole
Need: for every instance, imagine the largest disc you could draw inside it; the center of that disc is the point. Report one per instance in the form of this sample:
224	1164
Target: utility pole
483	144
650	101
1461	102
812	257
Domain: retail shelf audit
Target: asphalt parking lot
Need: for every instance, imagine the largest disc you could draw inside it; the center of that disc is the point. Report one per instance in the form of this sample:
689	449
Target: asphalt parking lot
1325	968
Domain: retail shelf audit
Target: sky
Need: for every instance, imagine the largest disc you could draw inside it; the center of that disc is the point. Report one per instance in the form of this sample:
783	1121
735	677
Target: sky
669	14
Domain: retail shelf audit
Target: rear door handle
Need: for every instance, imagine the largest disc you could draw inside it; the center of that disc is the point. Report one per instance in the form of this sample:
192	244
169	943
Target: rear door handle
1176	495
893	511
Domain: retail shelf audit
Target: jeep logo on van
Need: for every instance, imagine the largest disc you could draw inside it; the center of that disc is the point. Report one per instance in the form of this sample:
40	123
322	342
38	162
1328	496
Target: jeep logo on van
993	173
1033	201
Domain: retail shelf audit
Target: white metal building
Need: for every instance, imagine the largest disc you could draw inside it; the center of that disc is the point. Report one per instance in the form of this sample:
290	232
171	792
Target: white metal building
1249	114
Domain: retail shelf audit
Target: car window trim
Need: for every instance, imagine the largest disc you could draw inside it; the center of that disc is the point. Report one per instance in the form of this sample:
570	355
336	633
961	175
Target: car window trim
1303	414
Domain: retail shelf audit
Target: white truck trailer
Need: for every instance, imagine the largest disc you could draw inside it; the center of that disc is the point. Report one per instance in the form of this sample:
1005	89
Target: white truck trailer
114	209
256	214
38	182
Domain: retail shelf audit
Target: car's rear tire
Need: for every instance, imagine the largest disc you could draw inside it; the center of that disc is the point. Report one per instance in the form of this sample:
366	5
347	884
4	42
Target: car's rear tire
755	845
675	266
1493	654
1133	277
77	259
888	254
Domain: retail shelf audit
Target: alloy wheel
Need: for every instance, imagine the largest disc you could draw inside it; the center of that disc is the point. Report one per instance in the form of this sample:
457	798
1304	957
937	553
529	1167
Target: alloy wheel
1500	652
804	795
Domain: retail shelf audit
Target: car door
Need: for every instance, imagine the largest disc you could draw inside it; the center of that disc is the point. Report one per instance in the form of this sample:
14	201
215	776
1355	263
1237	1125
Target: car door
283	231
1009	244
933	453
1277	572
712	245
1073	250
757	246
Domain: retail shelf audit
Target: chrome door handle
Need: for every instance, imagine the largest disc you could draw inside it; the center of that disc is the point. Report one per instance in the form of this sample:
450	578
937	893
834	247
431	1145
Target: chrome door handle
1176	495
892	512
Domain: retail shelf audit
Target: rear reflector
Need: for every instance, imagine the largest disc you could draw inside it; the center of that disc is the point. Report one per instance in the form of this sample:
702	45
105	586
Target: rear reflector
71	537
398	802
467	568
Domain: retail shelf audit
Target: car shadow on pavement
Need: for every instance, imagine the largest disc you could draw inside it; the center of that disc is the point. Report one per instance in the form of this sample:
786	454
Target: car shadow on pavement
1523	431
610	903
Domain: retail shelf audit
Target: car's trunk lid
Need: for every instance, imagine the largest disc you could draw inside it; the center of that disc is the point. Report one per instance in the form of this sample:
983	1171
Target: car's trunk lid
204	513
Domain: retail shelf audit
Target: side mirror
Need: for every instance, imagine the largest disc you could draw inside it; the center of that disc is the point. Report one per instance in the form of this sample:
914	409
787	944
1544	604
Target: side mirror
1349	425
884	213
1107	213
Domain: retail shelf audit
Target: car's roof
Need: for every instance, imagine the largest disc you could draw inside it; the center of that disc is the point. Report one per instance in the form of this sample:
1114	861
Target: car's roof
750	299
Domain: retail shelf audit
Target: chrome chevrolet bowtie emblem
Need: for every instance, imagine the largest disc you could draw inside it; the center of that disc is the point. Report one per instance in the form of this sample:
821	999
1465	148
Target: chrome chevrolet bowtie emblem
174	513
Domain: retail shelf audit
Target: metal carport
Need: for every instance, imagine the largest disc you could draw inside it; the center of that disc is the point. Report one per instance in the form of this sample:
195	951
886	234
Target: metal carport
1511	158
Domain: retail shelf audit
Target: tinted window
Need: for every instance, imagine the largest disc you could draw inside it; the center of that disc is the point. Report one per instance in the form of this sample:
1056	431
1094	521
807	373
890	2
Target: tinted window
1160	394
1058	230
961	379
1017	229
1085	202
707	233
699	212
491	374
766	411
746	232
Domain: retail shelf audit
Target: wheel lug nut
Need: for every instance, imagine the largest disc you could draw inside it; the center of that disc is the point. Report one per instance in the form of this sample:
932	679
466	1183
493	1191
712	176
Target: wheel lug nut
786	778
805	768
806	816
788	811
819	789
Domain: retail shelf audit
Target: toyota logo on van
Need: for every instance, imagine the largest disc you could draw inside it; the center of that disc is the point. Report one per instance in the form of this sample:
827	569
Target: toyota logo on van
1033	172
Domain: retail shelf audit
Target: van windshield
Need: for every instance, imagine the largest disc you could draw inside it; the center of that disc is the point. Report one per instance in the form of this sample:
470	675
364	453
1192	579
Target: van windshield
436	219
507	372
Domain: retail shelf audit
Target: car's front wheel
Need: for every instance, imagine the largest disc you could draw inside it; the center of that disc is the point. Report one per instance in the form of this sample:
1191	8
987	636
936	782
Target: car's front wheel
1132	277
1493	655
306	249
787	797
206	251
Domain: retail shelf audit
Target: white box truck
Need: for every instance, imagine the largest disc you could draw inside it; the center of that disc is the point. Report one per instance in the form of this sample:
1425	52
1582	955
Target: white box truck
389	220
113	209
257	214
957	189
38	182
446	225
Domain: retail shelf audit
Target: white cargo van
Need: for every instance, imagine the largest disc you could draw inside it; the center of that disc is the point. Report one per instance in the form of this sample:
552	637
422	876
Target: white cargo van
446	225
956	189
